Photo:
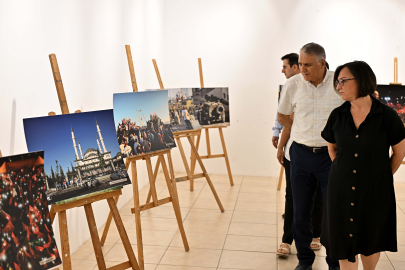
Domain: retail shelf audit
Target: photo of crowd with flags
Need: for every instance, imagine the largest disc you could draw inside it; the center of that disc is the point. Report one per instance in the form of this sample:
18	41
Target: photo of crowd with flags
143	123
137	140
27	237
394	97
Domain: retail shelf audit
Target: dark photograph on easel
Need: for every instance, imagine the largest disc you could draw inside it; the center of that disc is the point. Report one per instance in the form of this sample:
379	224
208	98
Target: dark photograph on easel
394	97
83	153
27	237
212	105
143	122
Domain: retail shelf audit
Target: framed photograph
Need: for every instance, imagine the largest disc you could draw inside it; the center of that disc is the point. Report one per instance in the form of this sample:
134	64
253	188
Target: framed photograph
83	155
394	97
212	105
27	240
142	122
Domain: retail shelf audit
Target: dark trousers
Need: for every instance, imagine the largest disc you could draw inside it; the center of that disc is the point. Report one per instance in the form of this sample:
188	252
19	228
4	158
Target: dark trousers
307	170
288	209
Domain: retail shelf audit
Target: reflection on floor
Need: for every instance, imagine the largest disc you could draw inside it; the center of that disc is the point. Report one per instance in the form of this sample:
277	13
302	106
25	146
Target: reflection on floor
245	236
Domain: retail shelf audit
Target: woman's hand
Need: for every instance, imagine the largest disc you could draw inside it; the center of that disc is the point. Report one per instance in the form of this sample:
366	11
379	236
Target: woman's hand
398	154
332	149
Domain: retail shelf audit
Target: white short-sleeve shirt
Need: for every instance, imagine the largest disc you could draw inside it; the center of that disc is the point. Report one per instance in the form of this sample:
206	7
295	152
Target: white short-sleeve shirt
311	106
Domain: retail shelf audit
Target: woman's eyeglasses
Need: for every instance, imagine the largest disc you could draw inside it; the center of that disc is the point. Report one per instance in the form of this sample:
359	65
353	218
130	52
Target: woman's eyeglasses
341	82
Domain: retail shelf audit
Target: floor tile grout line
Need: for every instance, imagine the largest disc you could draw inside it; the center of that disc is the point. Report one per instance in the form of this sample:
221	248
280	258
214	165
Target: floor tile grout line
182	220
226	236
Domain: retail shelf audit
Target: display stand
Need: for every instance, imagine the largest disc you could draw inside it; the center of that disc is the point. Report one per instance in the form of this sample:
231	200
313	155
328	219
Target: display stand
395	73
207	137
189	134
171	184
87	204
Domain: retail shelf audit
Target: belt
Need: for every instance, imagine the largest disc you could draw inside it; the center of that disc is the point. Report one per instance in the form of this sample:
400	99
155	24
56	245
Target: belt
316	150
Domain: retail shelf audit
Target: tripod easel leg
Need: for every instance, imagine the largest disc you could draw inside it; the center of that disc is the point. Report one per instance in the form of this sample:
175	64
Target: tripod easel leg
94	237
183	156
221	134
137	213
154	179
193	159
171	185
206	175
280	178
64	239
123	234
152	187
107	224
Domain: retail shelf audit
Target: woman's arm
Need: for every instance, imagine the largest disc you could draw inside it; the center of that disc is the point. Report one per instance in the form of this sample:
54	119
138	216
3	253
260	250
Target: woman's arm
332	149
397	155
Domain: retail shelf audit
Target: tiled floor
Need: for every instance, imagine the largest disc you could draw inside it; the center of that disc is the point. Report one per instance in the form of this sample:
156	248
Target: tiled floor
245	236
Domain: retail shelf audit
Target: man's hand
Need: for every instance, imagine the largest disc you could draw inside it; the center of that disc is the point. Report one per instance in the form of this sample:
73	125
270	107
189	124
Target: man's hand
280	155
274	140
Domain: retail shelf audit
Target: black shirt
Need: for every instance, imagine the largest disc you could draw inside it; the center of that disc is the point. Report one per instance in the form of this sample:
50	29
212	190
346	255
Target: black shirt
360	209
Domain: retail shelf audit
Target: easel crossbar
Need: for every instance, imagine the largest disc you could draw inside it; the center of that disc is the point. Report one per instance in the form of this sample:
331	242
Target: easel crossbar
82	202
151	205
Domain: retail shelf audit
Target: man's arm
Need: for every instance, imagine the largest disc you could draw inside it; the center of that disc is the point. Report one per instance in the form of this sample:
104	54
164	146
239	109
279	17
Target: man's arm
285	136
285	120
276	132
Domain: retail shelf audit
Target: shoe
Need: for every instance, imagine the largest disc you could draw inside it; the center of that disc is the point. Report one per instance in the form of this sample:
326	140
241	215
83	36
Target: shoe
286	249
303	267
317	244
334	268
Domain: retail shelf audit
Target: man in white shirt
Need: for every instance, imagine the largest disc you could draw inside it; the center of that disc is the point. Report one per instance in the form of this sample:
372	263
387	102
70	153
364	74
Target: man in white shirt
312	97
290	69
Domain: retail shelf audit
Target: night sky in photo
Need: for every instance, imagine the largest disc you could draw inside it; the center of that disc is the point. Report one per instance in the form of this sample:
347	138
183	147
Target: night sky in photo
53	135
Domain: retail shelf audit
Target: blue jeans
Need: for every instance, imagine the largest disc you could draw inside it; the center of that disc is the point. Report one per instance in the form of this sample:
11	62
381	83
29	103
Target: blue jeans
305	164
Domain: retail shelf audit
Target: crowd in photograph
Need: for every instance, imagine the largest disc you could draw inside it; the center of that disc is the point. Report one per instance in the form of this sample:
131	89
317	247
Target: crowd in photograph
136	140
24	212
178	112
398	107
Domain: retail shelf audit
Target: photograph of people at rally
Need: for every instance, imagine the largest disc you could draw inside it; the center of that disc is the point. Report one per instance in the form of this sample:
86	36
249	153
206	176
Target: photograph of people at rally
394	97
142	122
27	240
183	114
83	153
211	105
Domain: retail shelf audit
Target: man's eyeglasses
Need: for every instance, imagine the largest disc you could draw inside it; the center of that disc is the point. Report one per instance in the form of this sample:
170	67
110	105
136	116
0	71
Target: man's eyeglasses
341	82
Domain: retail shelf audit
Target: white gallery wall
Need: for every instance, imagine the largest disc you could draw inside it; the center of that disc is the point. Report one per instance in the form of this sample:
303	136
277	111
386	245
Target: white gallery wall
240	43
88	38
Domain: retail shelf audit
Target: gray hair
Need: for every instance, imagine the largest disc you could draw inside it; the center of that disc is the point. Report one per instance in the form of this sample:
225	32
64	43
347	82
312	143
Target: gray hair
314	49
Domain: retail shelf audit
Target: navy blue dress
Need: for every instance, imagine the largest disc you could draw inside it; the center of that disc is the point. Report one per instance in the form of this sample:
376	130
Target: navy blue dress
360	209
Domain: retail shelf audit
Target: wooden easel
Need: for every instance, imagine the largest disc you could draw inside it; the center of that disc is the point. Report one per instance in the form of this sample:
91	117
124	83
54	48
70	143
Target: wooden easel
171	184
280	178
207	137
86	203
396	72
189	134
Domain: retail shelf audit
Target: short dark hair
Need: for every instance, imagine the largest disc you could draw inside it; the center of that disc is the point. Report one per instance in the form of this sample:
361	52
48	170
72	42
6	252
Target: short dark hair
292	59
314	49
365	77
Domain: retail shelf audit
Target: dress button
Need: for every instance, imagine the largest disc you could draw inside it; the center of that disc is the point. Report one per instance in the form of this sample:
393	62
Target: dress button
351	219
357	136
356	155
353	188
354	171
352	204
351	235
